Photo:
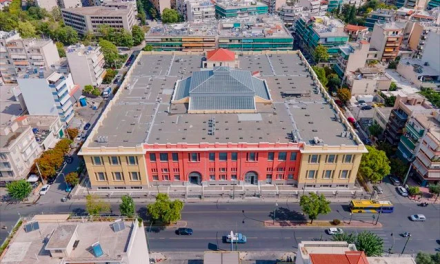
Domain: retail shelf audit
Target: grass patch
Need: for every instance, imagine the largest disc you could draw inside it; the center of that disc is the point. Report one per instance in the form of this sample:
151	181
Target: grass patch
8	239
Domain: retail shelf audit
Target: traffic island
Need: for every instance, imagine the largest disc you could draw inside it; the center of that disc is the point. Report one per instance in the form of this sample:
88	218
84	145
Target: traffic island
321	223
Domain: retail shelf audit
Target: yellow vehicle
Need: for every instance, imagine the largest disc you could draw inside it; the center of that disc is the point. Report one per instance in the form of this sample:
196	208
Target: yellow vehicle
371	206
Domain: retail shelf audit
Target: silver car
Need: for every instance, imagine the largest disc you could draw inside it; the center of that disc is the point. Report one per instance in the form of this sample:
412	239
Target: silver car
418	218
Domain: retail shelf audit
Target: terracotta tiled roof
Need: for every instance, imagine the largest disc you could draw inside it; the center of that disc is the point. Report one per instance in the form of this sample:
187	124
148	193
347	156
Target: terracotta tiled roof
221	55
364	42
74	89
354	27
350	257
20	118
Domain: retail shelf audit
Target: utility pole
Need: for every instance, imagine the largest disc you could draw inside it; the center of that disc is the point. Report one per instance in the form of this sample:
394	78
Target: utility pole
407	174
406	243
380	211
351	216
274	212
390	250
39	172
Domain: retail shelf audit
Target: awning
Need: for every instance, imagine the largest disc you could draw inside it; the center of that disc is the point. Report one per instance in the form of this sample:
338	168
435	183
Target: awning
33	178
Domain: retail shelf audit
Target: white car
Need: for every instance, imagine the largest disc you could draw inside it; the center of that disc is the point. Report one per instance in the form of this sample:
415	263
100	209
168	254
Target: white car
334	231
402	191
418	218
45	189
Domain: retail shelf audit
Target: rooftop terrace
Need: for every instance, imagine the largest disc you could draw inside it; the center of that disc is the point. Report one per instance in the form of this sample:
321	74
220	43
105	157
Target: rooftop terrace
254	26
142	112
230	4
325	26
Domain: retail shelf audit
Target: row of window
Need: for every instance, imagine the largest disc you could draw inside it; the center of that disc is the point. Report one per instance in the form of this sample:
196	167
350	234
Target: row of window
328	174
118	176
121	188
332	158
114	160
222	177
223	156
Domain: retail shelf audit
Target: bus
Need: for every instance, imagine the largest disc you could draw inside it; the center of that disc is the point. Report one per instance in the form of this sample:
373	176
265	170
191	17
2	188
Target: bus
371	206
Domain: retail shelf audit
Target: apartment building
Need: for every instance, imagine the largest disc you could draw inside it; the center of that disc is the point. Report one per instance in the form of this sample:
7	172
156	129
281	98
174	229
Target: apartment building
46	4
311	31
333	4
86	64
413	4
380	15
386	39
70	3
229	8
18	55
419	35
274	5
246	135
249	33
426	165
424	72
72	241
351	57
404	107
289	14
432	4
160	5
356	32
118	15
199	10
381	116
47	92
367	81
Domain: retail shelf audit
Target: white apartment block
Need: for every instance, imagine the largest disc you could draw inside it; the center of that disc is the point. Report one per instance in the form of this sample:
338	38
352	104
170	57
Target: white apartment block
70	3
18	55
199	10
313	7
86	64
160	5
274	5
46	4
89	19
47	93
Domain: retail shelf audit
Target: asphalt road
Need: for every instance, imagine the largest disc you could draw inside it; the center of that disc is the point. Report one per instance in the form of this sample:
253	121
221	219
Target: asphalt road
211	221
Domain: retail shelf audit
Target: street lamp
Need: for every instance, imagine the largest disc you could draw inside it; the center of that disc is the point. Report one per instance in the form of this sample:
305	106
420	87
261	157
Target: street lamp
390	250
304	189
351	216
274	212
406	243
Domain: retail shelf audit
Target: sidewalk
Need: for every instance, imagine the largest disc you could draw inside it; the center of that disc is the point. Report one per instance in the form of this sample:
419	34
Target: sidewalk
319	223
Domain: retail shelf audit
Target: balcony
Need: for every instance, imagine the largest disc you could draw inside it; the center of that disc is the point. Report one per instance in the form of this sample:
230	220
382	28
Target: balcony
417	134
408	142
400	114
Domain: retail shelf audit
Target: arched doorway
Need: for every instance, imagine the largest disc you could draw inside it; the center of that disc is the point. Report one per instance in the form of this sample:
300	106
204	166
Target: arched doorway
251	177
195	178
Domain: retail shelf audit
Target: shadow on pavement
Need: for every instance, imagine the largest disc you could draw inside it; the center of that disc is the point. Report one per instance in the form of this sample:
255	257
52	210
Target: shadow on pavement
79	212
283	214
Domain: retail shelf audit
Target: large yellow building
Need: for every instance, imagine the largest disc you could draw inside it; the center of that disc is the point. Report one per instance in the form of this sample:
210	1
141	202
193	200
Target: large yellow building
269	122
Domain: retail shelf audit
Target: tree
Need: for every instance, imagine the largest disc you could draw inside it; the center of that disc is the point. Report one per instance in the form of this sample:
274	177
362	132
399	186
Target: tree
148	48
96	92
344	95
170	16
72	133
375	130
37	13
56	13
7	22
88	88
125	39
424	258
390	100
372	62
127	206
96	206
153	13
398	167
26	29
333	82
387	147
349	238
321	54
393	86
137	34
19	189
393	64
313	205
164	210
63	145
87	38
374	165
72	178
109	75
431	95
414	190
15	7
66	35
110	52
320	73
60	48
434	189
370	243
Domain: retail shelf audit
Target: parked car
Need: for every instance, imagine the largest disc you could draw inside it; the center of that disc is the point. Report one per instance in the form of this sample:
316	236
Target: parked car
238	238
87	126
366	107
184	231
45	189
362	104
334	231
378	189
418	218
402	191
394	181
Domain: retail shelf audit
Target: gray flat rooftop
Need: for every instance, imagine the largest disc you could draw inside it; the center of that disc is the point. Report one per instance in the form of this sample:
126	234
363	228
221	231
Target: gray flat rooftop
9	108
26	246
143	112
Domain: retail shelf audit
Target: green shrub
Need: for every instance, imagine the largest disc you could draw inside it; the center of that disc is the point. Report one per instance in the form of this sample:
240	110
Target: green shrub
336	222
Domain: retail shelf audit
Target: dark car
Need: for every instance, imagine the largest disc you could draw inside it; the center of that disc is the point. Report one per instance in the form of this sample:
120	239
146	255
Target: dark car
184	231
367	107
51	180
394	181
87	126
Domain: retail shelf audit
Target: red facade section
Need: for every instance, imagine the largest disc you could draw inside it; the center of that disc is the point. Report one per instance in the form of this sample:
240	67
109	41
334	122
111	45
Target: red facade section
217	163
